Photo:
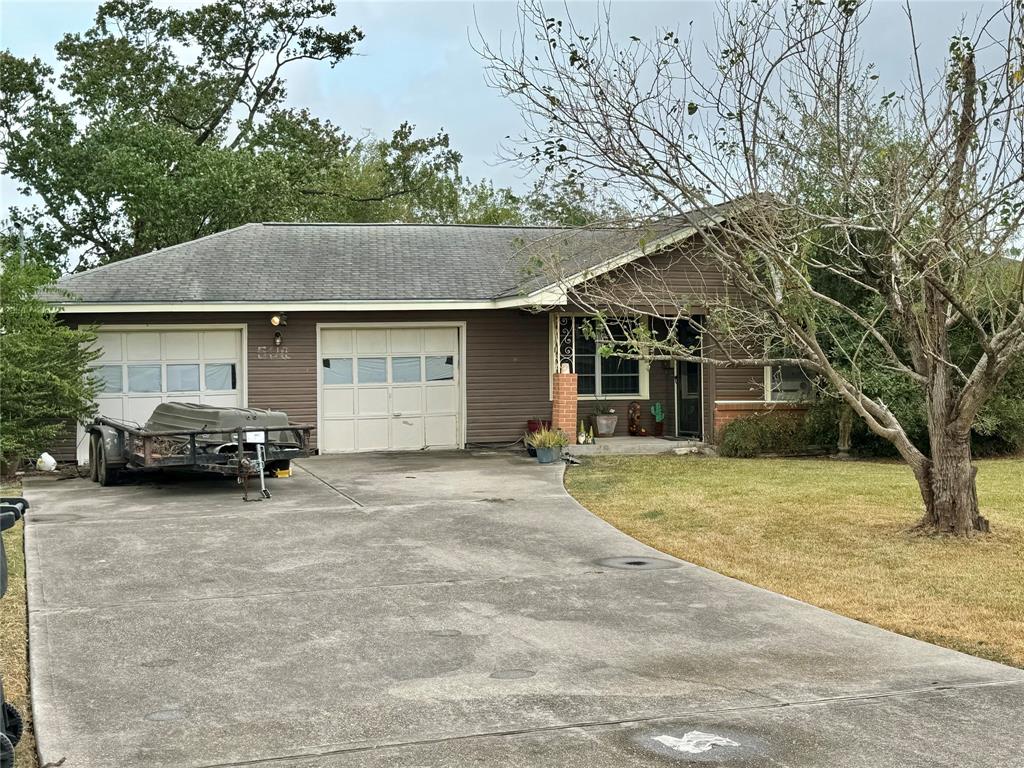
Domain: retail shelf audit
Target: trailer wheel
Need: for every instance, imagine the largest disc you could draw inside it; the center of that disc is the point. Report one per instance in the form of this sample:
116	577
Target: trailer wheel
107	475
14	726
6	752
94	449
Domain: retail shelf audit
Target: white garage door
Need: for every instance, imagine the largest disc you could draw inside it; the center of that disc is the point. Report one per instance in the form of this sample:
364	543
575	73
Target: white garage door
389	389
141	369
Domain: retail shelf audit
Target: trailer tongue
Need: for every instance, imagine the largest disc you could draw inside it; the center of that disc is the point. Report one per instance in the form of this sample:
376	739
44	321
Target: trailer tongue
242	442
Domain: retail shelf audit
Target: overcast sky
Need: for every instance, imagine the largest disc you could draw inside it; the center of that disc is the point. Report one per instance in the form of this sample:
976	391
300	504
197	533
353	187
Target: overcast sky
417	62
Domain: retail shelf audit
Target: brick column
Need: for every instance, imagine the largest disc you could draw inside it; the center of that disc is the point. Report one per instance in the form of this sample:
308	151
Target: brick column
563	404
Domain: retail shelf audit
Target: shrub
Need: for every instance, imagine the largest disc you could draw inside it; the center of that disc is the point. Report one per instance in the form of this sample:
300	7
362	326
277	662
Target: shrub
771	432
44	365
998	429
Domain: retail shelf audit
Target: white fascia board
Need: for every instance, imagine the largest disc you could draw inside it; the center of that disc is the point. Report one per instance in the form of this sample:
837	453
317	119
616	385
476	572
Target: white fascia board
546	297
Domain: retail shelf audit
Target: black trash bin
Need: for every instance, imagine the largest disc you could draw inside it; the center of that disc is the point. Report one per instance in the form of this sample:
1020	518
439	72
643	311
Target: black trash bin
11	724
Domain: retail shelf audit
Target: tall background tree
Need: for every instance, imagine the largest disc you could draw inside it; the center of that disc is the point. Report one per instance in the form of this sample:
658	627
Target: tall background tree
869	231
161	125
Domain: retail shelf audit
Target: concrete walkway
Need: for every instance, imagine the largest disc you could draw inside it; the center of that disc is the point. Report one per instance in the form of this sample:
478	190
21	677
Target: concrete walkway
452	610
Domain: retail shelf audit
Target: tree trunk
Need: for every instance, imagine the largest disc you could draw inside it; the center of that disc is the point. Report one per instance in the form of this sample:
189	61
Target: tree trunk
948	487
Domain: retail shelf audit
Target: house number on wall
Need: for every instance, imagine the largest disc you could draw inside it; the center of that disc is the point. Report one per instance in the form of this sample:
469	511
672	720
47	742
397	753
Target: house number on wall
264	352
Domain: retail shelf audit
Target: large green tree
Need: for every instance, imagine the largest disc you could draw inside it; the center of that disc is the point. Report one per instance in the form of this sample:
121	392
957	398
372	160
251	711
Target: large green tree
164	125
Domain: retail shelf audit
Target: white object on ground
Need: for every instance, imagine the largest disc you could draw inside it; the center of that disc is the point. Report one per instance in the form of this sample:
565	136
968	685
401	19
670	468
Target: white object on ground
46	463
695	742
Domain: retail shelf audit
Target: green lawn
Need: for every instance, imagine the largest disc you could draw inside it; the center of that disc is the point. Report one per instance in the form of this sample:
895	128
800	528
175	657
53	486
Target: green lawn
833	533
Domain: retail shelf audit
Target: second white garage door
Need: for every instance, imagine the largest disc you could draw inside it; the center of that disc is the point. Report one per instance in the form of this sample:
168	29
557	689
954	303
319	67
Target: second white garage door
390	389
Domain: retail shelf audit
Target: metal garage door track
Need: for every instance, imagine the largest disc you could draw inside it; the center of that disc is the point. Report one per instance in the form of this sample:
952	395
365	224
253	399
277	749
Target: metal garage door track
453	609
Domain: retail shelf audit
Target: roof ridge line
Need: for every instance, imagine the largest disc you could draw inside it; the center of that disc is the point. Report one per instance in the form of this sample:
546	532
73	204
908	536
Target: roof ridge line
157	252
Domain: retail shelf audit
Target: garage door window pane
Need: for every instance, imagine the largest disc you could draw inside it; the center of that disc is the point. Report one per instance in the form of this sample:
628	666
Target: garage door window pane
182	378
337	370
372	370
405	370
110	378
440	368
143	378
220	377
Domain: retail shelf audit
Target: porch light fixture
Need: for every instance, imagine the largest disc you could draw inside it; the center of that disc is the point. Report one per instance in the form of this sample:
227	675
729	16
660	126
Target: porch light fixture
279	319
277	338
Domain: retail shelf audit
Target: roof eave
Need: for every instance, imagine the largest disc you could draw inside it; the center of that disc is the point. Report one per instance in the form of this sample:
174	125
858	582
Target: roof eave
543	297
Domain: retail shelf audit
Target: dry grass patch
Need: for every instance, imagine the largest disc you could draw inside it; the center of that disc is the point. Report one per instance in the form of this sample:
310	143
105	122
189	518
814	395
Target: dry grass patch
834	534
14	637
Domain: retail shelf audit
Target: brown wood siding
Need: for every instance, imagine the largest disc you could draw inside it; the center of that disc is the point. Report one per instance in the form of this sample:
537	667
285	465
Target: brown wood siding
685	274
506	367
65	445
741	383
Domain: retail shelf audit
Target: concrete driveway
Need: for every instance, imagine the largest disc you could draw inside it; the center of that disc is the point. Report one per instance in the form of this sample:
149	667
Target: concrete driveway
452	610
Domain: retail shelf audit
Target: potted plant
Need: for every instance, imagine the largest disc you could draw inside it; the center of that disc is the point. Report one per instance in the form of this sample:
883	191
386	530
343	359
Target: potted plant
658	412
548	443
535	425
605	420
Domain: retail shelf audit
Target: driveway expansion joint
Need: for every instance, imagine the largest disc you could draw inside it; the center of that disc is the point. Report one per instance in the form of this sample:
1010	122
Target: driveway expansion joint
599	724
334	488
56	610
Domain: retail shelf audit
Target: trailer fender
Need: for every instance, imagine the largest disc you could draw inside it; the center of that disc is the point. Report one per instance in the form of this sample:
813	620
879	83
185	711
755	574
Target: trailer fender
111	441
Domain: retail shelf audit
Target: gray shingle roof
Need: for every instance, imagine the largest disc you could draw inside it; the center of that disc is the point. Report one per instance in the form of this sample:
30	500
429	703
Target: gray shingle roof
347	263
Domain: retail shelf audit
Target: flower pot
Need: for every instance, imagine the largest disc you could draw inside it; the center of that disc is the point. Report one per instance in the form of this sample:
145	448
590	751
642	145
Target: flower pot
604	424
548	455
659	428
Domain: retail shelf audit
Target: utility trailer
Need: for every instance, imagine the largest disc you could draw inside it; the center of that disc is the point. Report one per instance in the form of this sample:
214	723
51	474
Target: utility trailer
239	442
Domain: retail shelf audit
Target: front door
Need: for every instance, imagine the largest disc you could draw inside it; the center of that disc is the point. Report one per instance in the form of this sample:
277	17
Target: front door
688	400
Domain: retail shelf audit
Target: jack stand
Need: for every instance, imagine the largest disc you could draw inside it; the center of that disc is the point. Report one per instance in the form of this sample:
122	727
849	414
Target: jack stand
258	465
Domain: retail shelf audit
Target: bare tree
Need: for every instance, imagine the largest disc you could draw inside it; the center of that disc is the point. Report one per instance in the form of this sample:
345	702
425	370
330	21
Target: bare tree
866	229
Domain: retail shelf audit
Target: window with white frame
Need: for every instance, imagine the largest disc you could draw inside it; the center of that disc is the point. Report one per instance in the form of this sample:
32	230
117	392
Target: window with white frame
787	383
165	377
579	343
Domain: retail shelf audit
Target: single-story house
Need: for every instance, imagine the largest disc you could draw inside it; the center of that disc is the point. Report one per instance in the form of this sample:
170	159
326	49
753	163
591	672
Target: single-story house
386	336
